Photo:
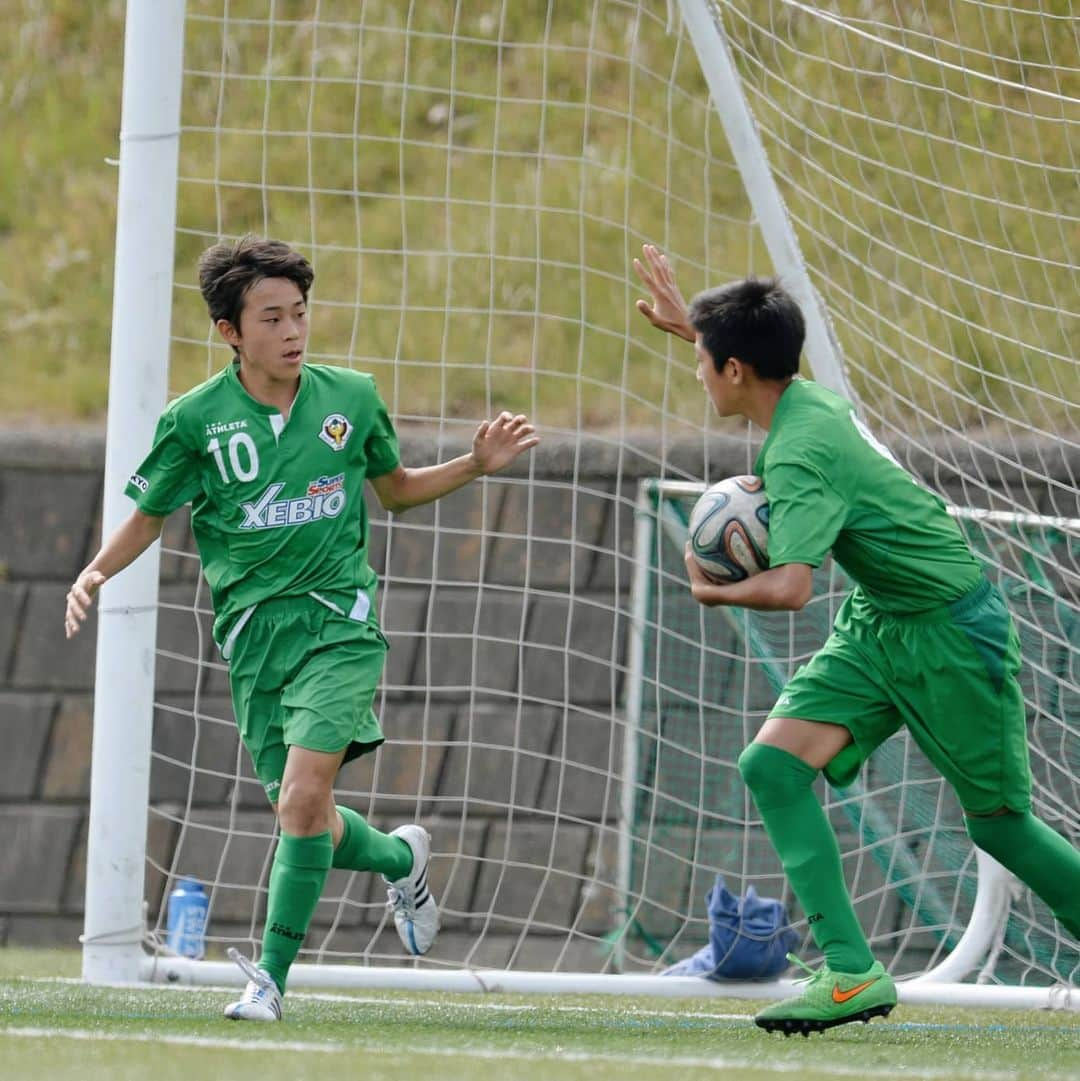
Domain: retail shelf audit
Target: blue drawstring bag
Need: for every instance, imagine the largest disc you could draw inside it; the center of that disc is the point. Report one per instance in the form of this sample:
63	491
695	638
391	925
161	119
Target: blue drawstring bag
749	938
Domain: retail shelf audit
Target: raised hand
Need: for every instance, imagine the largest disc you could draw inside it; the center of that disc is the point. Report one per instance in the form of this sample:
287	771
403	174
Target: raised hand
668	309
79	598
498	442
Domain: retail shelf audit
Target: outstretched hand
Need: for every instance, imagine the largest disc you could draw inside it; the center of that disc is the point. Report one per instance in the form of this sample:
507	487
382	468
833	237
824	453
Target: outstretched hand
668	309
79	598
498	442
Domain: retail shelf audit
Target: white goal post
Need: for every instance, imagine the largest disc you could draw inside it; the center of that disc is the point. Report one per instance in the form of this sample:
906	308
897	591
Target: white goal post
138	380
471	184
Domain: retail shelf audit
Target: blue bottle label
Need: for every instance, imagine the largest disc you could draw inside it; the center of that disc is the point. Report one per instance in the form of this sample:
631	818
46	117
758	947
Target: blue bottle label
187	923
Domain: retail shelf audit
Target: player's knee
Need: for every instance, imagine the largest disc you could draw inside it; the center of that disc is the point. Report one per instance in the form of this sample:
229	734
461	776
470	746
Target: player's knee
749	767
302	808
991	832
756	768
773	774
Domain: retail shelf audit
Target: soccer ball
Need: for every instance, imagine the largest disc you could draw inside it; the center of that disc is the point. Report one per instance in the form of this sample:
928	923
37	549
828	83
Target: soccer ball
729	529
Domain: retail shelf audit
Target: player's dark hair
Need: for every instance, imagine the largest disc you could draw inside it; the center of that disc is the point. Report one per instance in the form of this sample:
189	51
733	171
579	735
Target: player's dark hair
228	271
755	320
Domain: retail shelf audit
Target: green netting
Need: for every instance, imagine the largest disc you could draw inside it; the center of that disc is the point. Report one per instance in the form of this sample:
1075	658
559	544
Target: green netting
709	677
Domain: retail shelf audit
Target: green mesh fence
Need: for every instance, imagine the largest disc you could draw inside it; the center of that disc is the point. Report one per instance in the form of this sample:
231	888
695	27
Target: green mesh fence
708	678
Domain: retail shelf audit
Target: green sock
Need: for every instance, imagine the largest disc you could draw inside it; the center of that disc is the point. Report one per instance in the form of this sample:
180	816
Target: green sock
1039	856
296	880
782	787
364	848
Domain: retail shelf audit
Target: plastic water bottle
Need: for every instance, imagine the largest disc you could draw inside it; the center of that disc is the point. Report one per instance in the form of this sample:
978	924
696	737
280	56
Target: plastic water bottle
186	928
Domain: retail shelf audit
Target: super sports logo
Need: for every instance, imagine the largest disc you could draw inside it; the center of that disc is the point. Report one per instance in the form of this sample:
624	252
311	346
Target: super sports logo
325	499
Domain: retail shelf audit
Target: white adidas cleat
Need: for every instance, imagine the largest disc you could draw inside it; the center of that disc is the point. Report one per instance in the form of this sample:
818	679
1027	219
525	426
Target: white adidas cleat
261	1000
416	915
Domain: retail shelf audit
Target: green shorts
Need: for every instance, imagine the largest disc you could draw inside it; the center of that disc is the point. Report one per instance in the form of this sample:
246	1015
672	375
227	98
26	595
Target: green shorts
303	675
949	674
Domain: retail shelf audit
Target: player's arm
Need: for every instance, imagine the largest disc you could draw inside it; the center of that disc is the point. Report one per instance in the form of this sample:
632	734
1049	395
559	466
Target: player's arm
495	445
126	544
778	589
668	309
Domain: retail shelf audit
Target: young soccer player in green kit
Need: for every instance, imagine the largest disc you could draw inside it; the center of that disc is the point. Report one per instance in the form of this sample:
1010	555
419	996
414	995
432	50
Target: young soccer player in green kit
272	453
924	640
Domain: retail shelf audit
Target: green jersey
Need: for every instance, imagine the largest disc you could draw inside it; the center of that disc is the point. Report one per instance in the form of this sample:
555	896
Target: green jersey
277	505
832	485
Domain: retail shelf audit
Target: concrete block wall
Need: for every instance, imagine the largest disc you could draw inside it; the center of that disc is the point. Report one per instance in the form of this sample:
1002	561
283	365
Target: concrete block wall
506	606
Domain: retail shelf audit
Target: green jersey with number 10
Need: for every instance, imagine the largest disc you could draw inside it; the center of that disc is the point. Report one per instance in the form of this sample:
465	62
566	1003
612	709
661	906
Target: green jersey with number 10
832	486
277	505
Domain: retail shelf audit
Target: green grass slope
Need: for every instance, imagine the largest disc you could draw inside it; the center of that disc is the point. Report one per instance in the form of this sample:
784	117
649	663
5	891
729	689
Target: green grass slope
922	191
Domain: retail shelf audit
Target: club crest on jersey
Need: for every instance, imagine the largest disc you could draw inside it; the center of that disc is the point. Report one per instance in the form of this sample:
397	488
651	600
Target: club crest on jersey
336	430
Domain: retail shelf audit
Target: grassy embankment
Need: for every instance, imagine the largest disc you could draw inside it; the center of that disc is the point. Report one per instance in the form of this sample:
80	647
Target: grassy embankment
477	221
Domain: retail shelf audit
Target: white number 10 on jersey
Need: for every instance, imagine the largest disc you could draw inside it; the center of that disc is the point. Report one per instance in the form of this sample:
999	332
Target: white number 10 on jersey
242	472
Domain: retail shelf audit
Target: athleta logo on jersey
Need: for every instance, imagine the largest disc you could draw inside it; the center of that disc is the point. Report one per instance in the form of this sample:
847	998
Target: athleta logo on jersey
325	499
220	426
336	430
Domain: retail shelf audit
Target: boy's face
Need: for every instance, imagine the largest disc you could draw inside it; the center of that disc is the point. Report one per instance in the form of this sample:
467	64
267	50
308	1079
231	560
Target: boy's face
273	330
721	386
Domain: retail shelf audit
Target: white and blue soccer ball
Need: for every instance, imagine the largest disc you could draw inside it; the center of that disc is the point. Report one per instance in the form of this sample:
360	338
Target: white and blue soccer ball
729	529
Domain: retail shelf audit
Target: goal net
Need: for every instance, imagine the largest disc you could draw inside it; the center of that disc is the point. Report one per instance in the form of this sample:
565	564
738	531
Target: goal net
471	183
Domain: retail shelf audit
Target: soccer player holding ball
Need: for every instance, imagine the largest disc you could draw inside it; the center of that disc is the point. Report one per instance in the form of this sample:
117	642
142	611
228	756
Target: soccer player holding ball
924	640
272	453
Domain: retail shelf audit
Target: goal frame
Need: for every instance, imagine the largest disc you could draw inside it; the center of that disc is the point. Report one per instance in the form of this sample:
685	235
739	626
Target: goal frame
114	928
138	392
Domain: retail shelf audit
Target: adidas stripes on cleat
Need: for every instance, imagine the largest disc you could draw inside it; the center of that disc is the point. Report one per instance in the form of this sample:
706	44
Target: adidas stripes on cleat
261	1000
830	999
416	915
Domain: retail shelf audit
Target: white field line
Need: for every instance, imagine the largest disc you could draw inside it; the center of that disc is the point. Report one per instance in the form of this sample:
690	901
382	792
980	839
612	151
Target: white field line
154	1037
406	1003
371	1000
535	1055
